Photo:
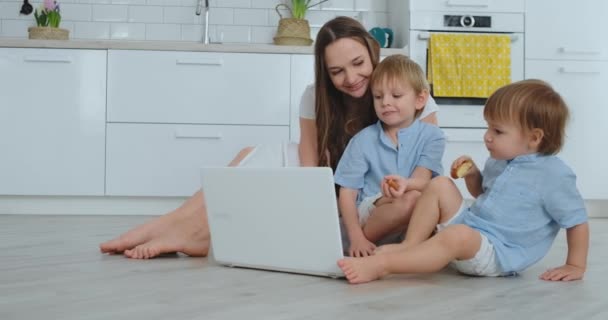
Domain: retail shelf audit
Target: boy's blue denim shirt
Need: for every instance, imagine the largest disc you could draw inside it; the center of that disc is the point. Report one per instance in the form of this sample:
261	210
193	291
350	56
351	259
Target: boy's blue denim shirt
371	155
525	202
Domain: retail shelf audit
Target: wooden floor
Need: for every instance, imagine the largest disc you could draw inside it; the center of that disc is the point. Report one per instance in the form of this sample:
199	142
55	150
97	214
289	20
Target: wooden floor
50	268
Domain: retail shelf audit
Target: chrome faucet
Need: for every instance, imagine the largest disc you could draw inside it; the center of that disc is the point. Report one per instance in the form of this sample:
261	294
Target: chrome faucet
199	9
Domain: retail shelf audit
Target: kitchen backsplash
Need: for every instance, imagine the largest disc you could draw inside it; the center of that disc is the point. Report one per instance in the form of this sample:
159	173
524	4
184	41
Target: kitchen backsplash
230	21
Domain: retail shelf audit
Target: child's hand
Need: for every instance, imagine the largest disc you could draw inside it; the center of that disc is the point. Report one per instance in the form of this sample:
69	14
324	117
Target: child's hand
361	247
393	186
564	273
462	167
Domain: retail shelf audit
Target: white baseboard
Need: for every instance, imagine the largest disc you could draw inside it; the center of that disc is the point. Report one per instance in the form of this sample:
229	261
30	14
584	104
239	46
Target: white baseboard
141	205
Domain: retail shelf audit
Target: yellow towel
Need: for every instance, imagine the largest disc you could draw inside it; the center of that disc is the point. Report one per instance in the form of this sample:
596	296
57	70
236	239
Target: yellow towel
468	65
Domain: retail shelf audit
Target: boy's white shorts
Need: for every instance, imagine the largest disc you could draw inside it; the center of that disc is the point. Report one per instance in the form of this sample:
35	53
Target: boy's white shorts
484	262
366	207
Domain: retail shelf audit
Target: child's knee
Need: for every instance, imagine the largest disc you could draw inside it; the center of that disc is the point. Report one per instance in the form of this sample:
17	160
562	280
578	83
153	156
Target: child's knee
459	236
440	184
408	201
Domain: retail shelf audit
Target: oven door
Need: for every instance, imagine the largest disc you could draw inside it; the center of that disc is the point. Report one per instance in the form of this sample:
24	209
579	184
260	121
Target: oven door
463	112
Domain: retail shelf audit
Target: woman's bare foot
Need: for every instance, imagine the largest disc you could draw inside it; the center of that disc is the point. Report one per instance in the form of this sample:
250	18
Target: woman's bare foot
184	230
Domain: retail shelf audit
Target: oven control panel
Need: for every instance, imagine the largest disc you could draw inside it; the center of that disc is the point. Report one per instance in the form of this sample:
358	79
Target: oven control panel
467	21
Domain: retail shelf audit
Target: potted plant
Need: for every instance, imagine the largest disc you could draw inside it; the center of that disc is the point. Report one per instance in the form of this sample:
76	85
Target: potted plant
295	30
48	18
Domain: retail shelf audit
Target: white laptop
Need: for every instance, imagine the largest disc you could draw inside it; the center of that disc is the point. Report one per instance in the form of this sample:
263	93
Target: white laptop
282	219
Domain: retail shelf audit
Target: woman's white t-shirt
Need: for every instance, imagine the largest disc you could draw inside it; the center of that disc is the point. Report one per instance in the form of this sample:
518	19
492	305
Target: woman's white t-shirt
307	104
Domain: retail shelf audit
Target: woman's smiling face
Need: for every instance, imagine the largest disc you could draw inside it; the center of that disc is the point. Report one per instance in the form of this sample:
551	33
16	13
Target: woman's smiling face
349	66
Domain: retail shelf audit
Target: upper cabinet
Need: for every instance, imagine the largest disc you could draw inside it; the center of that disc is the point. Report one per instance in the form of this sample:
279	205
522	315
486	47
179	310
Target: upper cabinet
52	121
198	87
563	29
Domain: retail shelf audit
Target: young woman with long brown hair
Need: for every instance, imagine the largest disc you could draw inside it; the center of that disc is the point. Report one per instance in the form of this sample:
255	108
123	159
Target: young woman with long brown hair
335	108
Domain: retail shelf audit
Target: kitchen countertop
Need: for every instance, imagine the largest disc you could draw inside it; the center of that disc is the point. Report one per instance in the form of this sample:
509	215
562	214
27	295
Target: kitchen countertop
166	46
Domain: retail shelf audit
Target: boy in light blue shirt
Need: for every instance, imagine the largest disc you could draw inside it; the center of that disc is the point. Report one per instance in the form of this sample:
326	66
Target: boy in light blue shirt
524	196
399	148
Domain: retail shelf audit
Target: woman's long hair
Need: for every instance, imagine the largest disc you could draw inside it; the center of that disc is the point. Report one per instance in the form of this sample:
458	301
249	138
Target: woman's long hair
339	116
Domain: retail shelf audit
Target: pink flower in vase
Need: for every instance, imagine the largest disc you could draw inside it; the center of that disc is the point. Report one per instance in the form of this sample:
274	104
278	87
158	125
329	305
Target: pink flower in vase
50	5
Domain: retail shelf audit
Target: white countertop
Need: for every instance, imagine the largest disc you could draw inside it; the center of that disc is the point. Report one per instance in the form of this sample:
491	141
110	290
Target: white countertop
166	46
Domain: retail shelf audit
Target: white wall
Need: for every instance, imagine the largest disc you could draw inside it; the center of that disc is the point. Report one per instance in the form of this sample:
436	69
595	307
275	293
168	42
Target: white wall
231	21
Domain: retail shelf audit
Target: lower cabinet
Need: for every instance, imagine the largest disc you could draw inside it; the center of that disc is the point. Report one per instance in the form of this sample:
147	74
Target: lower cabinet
52	121
165	159
582	84
460	142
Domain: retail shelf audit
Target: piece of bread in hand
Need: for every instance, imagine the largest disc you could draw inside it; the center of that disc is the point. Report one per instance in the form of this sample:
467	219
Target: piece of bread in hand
462	169
393	184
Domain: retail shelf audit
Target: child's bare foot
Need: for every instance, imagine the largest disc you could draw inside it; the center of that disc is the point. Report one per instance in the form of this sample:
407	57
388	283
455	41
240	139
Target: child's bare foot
360	270
389	248
179	231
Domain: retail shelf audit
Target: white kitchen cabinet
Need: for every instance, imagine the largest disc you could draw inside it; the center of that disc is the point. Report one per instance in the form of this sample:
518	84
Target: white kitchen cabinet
52	121
165	159
576	33
461	142
583	85
302	75
573	57
171	113
198	87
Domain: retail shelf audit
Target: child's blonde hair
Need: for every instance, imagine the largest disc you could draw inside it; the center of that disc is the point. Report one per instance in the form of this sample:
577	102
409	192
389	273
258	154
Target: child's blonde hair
531	104
399	68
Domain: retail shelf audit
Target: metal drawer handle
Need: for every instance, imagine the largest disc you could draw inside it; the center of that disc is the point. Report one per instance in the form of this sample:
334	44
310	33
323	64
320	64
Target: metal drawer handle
44	58
572	71
427	35
179	134
477	4
200	62
565	50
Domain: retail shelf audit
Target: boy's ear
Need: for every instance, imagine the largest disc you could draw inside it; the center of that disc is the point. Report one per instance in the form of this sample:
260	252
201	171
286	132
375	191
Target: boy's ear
421	100
536	137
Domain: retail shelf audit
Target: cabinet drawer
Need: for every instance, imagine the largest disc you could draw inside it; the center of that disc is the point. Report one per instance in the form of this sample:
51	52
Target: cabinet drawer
198	87
460	142
468	5
164	160
582	84
578	36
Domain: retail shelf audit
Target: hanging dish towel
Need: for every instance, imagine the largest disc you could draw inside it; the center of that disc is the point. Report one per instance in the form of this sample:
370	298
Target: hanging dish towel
468	65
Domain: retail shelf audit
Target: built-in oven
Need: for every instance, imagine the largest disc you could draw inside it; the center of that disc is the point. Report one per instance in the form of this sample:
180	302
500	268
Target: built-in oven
465	112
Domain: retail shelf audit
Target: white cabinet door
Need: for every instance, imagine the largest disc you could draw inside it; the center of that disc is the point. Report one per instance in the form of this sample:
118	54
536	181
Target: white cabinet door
583	85
302	75
52	121
165	159
460	142
198	87
576	31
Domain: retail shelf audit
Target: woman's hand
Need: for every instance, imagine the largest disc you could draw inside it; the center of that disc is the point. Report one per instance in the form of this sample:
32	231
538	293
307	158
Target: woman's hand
393	186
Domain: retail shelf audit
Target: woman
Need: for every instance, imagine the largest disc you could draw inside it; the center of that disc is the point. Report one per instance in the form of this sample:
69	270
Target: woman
331	112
